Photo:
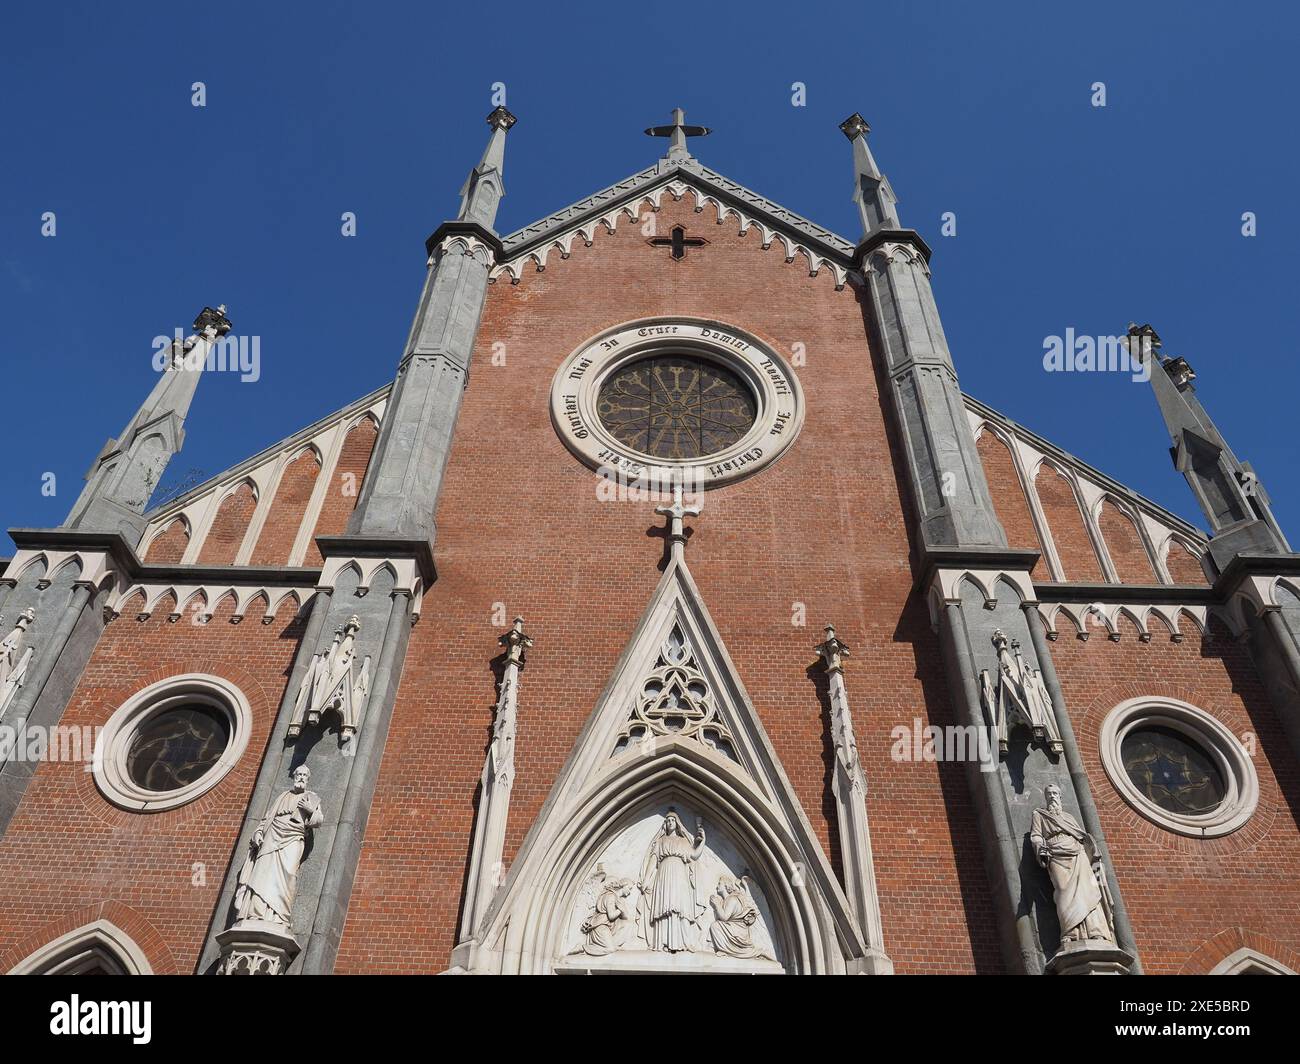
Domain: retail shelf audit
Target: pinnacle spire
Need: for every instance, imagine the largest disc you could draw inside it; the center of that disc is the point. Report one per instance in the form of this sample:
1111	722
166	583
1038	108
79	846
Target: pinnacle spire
127	471
1229	493
871	190
483	189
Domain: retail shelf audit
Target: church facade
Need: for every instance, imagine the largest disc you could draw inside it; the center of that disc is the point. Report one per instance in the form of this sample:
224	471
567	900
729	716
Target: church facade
672	609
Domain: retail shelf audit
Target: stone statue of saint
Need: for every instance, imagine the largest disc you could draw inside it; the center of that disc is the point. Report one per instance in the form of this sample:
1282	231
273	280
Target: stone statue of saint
671	909
1083	902
269	878
734	917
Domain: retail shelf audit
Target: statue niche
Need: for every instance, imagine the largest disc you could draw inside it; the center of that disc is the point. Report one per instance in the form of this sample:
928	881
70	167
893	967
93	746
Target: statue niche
663	896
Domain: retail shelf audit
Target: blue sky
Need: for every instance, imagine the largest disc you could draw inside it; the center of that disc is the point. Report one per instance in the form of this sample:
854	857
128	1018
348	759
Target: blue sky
1068	215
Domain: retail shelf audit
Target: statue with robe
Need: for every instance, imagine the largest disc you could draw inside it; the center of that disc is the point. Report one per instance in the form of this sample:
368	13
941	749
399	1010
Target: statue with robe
734	916
269	877
1084	907
671	908
612	921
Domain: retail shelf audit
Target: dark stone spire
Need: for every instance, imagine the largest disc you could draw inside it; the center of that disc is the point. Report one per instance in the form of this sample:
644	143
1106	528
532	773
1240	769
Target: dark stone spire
1228	491
127	471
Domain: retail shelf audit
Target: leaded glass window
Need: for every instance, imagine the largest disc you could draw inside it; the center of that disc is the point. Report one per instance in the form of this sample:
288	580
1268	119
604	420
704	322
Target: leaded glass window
676	407
177	746
1172	770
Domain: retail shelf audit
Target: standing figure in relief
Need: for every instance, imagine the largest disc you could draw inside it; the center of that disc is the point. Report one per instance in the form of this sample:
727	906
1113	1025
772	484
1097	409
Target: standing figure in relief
668	883
1083	903
269	878
734	917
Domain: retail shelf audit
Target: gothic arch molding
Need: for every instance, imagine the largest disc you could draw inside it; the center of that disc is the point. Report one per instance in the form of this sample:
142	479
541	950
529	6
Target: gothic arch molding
100	945
524	931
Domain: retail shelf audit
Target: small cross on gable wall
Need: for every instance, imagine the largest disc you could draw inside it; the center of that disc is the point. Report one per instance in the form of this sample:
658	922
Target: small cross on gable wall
678	241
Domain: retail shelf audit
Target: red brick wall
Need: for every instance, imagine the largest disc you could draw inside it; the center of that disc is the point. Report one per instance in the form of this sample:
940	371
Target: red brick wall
519	524
68	851
1181	892
1065	520
169	547
345	485
287	509
1184	566
1129	556
229	527
1009	498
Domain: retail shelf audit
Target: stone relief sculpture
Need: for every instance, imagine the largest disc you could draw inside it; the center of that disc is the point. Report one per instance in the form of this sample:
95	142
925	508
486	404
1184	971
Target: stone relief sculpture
664	909
1084	907
668	883
1019	692
269	877
734	917
612	923
329	683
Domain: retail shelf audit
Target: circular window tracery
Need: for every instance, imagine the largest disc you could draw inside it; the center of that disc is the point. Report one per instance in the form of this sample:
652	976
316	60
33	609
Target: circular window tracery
1179	767
1172	770
676	407
172	742
676	400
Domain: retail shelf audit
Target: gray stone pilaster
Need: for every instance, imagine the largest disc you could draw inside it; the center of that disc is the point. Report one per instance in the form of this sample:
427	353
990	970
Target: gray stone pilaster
343	772
103	527
970	606
1089	817
1002	849
390	535
1269	611
67	605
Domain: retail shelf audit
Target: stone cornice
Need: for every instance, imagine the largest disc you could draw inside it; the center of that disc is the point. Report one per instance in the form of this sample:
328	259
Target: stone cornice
1169	594
934	559
466	229
1244	566
880	237
371	546
77	541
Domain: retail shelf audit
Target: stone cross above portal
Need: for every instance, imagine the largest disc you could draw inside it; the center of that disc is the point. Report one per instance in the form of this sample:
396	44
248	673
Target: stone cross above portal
675	513
677	134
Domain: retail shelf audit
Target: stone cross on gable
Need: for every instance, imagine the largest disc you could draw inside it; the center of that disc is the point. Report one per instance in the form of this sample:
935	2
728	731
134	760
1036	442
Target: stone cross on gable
677	134
675	513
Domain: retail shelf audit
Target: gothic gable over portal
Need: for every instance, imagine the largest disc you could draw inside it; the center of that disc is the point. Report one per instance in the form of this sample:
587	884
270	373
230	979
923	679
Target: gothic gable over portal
672	839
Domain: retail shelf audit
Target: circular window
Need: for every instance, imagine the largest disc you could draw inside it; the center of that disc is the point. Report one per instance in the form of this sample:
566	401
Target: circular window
1172	770
172	742
177	746
677	407
1179	767
676	400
